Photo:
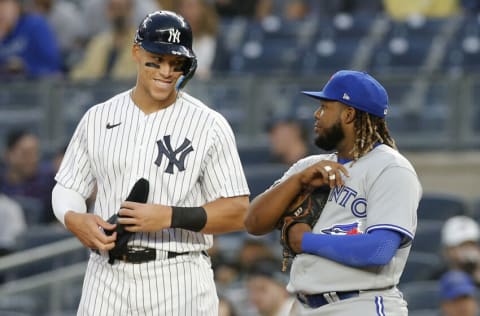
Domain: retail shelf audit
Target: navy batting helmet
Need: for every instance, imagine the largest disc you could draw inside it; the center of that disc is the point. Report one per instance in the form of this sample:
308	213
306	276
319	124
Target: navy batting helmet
165	32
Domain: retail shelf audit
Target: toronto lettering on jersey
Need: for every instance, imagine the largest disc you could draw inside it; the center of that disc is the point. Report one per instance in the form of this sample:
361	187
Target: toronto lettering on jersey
165	148
346	195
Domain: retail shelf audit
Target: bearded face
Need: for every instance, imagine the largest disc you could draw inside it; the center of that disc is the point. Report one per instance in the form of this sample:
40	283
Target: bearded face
331	137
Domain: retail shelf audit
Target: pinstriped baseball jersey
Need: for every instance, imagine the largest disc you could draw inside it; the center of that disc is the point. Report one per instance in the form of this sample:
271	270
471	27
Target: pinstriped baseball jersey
382	192
186	151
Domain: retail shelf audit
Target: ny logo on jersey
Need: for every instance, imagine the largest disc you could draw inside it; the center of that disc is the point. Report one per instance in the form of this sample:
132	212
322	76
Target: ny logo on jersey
165	148
174	35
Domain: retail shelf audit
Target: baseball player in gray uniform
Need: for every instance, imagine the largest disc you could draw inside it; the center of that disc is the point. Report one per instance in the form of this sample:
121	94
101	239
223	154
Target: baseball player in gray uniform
186	152
350	262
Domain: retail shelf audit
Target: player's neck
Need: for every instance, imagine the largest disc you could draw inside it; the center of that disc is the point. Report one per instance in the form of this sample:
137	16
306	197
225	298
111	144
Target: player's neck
345	150
148	104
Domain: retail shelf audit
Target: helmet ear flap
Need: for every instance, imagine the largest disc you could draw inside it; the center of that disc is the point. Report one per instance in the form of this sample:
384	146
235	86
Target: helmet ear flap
188	72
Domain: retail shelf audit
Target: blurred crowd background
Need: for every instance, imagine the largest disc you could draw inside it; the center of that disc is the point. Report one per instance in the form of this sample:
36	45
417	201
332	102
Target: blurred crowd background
60	57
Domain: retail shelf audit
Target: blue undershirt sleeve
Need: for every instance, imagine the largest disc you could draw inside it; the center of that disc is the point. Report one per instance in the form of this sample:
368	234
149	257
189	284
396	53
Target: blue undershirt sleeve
362	250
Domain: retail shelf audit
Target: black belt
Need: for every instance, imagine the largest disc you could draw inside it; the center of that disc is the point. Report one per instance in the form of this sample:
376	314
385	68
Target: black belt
317	300
141	255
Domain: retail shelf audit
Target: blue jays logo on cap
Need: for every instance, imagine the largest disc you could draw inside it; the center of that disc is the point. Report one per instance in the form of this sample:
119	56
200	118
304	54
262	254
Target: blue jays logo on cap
356	89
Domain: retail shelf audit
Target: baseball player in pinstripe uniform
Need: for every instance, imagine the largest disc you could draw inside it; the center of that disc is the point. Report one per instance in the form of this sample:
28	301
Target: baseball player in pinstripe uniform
186	152
350	262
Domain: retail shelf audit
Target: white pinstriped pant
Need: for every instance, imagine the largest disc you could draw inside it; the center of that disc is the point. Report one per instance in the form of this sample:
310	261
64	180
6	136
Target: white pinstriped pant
181	286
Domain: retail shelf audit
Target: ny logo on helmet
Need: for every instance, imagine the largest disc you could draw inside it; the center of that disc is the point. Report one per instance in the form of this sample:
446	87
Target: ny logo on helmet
174	35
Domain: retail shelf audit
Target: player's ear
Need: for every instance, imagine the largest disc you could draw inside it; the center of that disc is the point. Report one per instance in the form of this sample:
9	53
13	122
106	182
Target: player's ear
349	114
136	52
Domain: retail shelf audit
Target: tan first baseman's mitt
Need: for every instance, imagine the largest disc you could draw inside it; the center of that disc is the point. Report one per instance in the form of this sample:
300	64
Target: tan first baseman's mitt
305	208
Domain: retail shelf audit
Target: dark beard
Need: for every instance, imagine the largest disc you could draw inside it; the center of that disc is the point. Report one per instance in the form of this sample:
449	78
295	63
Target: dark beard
331	137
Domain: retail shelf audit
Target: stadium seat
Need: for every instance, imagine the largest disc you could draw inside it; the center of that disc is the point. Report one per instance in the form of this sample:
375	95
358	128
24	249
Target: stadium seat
267	57
272	46
353	25
19	305
441	206
434	116
421	295
399	54
41	235
473	119
38	235
227	97
421	266
228	41
14	313
335	43
32	209
254	154
278	27
463	50
405	46
22	108
427	237
261	176
327	55
476	209
425	312
79	97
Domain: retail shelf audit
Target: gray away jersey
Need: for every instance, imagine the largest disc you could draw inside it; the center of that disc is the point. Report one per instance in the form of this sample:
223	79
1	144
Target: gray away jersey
382	192
186	151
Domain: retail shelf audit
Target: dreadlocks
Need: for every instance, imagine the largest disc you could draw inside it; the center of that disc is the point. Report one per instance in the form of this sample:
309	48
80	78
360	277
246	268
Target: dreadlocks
369	130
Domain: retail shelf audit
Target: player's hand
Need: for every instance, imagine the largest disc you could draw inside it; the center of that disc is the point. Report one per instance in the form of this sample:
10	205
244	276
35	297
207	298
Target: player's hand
295	235
142	217
89	229
325	172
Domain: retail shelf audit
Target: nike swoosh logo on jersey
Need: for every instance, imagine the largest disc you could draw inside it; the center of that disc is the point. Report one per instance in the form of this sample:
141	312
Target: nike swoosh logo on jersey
109	126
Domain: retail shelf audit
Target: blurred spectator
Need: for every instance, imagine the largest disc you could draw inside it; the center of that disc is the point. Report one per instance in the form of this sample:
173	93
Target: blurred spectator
267	291
166	5
471	6
57	160
296	9
225	307
109	54
332	8
58	157
253	249
458	294
227	273
257	9
461	248
401	10
289	141
28	47
12	224
67	23
357	6
224	263
25	179
203	19
93	12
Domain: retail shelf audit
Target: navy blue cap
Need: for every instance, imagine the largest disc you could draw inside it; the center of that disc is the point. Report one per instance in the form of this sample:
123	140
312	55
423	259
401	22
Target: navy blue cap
356	89
454	284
